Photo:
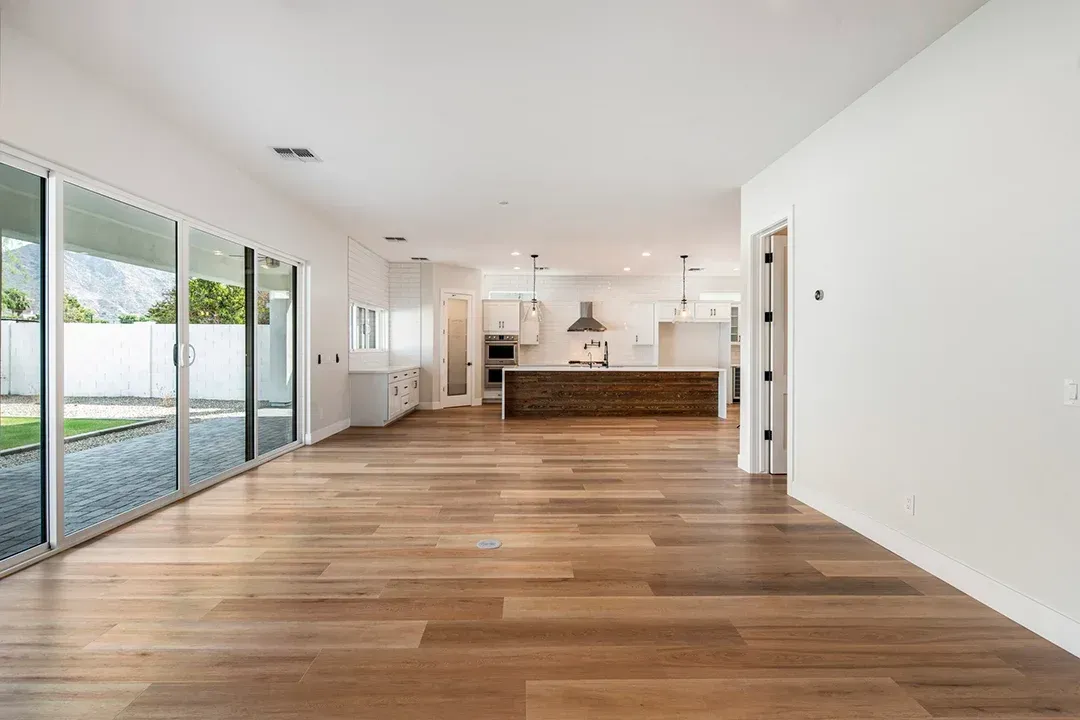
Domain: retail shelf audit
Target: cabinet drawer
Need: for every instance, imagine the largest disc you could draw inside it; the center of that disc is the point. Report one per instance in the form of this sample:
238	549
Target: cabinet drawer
412	373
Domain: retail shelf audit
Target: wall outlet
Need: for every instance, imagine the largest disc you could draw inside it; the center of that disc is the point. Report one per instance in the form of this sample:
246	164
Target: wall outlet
909	504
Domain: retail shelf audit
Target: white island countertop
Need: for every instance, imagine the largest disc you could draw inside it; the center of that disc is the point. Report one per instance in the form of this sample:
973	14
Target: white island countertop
600	368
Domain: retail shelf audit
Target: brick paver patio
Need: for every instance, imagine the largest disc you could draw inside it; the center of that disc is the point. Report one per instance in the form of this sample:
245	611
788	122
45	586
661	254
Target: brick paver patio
102	482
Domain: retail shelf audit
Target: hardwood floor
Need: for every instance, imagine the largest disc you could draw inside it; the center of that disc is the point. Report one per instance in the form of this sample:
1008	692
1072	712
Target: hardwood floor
641	576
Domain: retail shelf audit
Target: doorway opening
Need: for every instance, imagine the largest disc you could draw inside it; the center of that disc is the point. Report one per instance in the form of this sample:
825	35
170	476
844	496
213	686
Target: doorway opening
776	336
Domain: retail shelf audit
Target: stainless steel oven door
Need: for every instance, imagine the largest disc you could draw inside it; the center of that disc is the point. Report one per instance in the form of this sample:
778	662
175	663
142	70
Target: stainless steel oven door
500	353
493	377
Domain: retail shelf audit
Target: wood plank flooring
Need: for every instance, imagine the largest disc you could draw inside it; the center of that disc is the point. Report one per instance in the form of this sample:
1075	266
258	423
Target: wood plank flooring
642	576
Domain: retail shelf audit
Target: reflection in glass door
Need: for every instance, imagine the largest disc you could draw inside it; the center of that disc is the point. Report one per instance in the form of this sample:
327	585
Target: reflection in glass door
22	466
275	339
219	287
120	345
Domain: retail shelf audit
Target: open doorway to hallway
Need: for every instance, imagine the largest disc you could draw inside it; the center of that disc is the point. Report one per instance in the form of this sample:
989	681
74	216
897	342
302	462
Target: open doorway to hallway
776	332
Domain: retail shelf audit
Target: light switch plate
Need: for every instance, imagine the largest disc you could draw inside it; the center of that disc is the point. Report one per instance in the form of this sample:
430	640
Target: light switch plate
1072	393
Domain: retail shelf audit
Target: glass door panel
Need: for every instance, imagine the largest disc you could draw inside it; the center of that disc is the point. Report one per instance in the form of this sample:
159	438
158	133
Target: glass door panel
275	339
457	352
120	375
218	295
22	466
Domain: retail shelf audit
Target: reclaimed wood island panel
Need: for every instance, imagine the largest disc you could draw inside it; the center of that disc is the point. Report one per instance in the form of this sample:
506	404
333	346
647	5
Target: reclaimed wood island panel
613	392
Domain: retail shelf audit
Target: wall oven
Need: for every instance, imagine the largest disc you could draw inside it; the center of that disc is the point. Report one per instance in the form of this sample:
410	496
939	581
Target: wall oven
493	377
500	350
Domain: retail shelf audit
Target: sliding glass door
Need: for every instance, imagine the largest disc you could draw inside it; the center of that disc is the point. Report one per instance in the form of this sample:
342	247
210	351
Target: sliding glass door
141	357
22	411
120	358
220	286
276	340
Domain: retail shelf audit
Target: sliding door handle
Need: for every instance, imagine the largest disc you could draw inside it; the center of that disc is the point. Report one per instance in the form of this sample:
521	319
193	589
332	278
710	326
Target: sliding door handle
191	355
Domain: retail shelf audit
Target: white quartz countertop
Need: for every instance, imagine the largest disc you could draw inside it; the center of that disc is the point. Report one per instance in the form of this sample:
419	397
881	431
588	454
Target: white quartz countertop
384	370
624	368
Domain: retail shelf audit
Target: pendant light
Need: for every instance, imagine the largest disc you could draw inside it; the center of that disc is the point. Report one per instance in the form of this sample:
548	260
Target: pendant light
533	313
683	314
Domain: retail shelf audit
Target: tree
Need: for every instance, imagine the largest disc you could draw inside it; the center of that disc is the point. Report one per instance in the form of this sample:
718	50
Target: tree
76	312
127	319
16	301
209	303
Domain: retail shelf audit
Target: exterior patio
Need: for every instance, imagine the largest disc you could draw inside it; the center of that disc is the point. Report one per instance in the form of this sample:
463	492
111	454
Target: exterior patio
102	482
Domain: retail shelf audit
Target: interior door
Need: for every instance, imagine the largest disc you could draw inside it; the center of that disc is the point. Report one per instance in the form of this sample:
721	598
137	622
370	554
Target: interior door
457	374
778	387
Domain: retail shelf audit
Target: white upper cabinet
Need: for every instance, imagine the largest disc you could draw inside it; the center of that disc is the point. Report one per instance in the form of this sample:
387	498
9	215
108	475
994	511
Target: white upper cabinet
712	312
530	332
642	323
668	310
502	317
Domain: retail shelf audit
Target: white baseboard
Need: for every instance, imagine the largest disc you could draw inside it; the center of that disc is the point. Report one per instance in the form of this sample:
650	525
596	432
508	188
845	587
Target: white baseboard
477	402
323	433
1059	629
430	406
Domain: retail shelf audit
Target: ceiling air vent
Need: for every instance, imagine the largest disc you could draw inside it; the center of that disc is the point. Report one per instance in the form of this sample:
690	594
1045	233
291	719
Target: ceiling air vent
422	259
395	239
296	154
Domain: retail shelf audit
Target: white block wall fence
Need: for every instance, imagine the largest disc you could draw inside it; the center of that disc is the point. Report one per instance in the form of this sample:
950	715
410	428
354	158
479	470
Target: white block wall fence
110	360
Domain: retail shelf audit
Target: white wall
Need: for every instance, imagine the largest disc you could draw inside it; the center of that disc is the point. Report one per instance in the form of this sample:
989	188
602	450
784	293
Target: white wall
405	314
695	345
369	283
59	112
939	213
560	297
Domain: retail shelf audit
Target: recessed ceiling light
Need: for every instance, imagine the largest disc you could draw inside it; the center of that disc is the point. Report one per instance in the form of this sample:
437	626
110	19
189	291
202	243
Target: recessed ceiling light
646	254
515	253
516	267
736	268
626	269
218	252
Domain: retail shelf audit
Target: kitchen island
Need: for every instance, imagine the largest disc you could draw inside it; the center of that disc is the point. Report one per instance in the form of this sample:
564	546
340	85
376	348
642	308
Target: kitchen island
582	391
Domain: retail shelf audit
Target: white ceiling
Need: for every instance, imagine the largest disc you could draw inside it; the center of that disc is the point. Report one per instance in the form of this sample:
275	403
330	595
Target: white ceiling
612	127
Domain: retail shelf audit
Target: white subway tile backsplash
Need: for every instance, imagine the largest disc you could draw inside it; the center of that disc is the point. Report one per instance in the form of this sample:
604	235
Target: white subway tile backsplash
560	296
369	283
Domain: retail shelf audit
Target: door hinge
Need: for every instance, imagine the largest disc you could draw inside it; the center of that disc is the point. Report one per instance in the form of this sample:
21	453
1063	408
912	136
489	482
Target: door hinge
768	376
768	317
768	435
768	258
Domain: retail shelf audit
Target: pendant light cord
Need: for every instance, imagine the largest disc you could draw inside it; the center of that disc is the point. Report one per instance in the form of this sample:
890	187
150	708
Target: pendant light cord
684	279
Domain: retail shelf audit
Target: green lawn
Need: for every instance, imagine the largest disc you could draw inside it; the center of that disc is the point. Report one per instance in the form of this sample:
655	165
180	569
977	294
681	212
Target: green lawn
19	431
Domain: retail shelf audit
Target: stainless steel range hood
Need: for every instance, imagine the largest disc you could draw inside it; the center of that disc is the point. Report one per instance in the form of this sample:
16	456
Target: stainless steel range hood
586	323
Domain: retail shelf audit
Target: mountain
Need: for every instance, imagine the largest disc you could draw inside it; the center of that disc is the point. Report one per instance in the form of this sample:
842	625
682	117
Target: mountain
107	287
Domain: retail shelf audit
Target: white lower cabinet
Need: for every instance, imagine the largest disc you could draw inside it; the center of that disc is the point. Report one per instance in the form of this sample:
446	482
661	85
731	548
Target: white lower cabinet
381	397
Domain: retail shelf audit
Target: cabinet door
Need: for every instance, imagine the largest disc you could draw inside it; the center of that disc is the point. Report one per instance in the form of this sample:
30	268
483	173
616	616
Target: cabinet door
530	332
511	318
667	311
712	312
643	323
394	400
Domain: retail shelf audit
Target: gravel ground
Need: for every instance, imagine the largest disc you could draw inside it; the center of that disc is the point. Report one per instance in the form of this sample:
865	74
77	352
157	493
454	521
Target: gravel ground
118	407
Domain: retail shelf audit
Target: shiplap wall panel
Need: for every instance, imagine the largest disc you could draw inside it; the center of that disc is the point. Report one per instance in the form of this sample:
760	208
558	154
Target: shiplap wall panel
369	283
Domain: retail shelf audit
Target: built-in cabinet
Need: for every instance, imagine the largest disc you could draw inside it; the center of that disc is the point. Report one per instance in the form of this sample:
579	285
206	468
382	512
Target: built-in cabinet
669	311
643	323
530	332
380	397
502	317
